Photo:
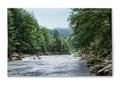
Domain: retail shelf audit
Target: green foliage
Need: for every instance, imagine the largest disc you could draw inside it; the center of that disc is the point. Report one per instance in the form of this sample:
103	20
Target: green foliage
92	34
60	45
89	25
110	72
26	36
95	60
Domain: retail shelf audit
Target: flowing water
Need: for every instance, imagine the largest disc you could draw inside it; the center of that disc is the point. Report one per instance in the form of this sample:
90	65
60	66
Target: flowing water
54	65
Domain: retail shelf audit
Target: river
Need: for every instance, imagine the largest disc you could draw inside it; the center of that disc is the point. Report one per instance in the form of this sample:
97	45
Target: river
54	66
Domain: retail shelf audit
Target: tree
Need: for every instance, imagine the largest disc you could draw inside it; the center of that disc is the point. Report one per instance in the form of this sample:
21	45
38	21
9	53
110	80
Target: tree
23	30
11	33
92	36
89	25
60	45
26	36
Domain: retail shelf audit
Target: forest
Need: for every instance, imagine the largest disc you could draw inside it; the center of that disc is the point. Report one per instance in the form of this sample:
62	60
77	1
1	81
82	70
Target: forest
25	36
91	37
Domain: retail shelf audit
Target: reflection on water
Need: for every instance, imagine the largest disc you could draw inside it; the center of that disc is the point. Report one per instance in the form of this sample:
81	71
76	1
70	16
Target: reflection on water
54	65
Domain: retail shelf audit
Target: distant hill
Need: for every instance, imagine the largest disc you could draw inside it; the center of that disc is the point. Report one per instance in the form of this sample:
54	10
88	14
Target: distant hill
63	32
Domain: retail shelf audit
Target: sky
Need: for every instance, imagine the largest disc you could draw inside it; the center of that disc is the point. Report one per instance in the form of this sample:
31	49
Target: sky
51	17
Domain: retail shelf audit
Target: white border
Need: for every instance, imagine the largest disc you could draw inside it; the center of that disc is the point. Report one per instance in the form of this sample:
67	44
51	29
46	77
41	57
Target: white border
114	4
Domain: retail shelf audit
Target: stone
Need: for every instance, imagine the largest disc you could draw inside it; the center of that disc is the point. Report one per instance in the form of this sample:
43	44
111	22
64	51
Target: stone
77	55
14	56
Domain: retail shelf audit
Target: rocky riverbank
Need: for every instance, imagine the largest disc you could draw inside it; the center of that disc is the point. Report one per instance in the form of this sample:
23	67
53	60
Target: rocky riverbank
101	66
102	69
17	56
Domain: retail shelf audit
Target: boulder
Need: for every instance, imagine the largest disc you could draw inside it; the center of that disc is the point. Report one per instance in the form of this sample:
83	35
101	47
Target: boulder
14	56
77	55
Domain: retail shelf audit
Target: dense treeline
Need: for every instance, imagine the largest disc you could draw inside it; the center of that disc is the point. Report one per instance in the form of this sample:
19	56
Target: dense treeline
26	36
92	37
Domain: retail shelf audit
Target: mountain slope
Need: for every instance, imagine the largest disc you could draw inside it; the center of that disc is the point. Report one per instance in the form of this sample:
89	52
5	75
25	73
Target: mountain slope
63	32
